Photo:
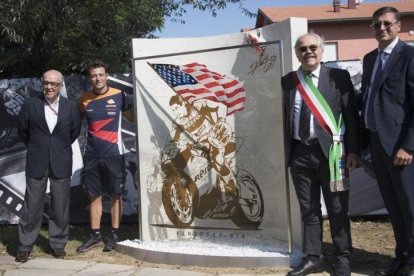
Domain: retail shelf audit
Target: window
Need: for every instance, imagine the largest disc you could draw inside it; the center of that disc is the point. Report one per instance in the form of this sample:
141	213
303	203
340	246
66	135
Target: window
330	52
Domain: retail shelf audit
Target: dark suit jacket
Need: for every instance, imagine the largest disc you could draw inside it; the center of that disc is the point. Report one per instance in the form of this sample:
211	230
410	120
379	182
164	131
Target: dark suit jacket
336	87
44	148
394	102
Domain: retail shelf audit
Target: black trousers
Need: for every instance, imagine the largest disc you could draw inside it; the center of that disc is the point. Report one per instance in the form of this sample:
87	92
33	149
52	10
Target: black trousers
31	218
396	184
310	173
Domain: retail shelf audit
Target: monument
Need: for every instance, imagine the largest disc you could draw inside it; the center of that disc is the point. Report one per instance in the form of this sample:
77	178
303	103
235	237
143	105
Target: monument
214	188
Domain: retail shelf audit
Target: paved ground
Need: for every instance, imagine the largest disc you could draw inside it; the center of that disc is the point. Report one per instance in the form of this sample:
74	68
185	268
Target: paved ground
45	267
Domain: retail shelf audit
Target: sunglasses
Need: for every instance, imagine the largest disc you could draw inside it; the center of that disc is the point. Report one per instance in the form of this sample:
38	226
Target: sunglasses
51	83
387	24
312	48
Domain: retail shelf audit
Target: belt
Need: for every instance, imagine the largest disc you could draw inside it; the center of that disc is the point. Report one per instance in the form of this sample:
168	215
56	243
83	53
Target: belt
310	142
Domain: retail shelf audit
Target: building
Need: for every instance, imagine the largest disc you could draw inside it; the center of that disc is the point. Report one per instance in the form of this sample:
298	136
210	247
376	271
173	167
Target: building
346	29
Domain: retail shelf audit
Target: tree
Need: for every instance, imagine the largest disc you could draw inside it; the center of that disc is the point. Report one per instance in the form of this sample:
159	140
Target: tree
36	35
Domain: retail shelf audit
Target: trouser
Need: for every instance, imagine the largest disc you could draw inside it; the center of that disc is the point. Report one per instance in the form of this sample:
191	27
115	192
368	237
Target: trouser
310	173
31	218
396	186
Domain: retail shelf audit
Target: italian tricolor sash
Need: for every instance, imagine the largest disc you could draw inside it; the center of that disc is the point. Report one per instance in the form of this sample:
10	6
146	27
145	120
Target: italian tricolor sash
323	113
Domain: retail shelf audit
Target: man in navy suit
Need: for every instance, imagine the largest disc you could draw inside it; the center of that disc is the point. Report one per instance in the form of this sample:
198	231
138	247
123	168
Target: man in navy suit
308	153
388	113
48	125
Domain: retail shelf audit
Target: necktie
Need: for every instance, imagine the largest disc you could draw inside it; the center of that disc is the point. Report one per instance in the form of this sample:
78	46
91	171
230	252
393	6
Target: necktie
304	120
374	89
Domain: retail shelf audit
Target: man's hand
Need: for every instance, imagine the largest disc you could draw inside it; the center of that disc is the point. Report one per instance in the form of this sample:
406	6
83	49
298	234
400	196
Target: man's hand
403	158
352	161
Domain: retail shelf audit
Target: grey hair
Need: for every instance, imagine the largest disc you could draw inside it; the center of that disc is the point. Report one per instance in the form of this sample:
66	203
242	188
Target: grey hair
321	40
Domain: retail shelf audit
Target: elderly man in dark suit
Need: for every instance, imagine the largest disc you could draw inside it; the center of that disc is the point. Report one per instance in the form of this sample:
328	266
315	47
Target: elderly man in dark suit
321	125
48	125
388	113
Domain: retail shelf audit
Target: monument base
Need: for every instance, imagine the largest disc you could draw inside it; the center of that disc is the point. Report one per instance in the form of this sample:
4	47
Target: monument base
206	253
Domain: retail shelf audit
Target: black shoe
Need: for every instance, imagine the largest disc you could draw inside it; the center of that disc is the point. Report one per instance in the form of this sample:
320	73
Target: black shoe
59	253
110	242
397	267
308	266
341	268
22	256
89	244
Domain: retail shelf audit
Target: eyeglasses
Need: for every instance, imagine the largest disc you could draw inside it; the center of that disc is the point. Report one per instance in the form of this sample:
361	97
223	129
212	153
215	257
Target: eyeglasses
51	83
387	24
312	48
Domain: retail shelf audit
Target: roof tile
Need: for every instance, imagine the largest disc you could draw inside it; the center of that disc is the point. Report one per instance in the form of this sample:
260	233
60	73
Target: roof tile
326	13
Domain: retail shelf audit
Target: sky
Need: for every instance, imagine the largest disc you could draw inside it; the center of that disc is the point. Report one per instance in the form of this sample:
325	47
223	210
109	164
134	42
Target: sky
231	19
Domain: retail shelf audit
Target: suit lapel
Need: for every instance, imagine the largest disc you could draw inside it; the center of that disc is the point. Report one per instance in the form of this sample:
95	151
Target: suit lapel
323	82
40	110
367	74
292	94
370	65
63	109
392	59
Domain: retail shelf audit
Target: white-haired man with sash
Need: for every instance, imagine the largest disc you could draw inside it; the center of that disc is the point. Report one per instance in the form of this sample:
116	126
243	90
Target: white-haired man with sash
322	136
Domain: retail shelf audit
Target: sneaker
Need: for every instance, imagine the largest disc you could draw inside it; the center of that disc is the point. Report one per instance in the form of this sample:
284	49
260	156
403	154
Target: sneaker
89	244
110	242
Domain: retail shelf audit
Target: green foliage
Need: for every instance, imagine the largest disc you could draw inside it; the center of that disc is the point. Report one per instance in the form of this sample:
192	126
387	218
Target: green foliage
36	35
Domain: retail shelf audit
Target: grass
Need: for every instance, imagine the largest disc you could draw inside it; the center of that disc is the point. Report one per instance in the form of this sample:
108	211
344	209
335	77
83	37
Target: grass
78	234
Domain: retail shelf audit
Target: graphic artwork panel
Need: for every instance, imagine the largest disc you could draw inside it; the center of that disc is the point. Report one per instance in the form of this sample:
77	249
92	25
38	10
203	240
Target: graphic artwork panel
13	152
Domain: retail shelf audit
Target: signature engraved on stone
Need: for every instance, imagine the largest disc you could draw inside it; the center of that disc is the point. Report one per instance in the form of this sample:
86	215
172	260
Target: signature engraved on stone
265	61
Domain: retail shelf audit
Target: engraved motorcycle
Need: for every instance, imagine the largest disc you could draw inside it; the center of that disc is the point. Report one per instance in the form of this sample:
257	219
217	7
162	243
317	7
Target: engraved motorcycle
193	187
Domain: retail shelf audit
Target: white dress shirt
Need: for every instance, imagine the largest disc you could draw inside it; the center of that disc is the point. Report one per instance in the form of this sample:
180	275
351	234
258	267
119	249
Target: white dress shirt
51	113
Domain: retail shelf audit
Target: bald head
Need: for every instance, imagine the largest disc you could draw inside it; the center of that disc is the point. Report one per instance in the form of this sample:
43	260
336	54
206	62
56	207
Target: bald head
53	73
52	82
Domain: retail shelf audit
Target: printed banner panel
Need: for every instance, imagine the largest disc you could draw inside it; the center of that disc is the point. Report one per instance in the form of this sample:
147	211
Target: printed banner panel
13	92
